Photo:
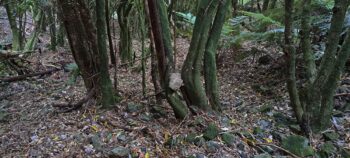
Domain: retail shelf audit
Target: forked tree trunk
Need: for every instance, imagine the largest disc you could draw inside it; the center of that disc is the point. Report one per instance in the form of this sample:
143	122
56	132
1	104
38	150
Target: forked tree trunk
162	37
90	56
317	102
191	72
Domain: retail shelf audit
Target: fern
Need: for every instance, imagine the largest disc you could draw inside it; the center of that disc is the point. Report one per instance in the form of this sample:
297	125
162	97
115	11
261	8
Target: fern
261	18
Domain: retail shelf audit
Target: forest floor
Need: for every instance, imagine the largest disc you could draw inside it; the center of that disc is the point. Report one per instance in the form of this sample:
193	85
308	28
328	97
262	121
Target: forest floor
255	117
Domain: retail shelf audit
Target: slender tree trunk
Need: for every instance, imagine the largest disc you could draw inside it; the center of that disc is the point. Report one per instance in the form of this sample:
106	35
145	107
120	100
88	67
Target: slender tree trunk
110	40
210	71
273	4
11	15
60	35
154	65
162	38
125	46
290	53
52	24
265	5
102	63
235	7
38	21
306	42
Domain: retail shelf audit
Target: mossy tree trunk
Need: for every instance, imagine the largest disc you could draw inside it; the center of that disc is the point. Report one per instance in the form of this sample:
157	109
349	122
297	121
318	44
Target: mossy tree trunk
210	70
315	106
125	45
52	24
105	82
290	53
89	50
11	15
162	39
206	33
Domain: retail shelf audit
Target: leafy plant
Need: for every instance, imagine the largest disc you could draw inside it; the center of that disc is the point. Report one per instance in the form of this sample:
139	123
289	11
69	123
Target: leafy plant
261	18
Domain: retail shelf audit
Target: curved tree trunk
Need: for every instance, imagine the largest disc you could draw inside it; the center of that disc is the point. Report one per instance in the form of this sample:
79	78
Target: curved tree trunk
210	72
191	71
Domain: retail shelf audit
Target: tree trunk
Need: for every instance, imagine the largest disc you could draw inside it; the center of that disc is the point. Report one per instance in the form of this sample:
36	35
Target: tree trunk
82	49
109	33
162	37
86	47
273	4
291	56
38	16
16	34
210	71
191	71
52	25
306	42
325	83
125	46
102	62
265	5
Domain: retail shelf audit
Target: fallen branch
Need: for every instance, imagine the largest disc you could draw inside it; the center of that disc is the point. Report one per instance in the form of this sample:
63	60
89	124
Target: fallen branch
5	54
23	77
79	104
342	94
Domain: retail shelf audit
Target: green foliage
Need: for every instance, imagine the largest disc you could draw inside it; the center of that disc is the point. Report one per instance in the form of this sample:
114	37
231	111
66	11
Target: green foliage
74	72
261	18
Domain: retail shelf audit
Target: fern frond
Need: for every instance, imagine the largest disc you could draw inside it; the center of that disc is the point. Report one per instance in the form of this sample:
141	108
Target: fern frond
262	18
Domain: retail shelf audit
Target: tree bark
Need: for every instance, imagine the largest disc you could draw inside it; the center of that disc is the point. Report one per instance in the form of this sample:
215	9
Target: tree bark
125	46
191	71
162	37
105	82
290	53
16	34
210	70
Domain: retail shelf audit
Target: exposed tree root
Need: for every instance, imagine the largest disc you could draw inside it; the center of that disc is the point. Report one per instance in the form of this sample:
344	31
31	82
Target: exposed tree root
69	107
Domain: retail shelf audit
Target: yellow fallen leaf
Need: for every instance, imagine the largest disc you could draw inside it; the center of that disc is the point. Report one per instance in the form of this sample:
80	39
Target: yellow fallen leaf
95	128
268	140
147	155
166	136
56	138
233	121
